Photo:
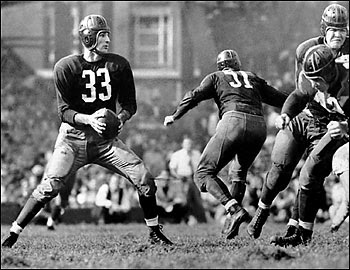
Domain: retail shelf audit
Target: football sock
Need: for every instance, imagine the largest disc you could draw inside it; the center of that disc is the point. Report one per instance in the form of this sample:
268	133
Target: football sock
293	222
268	195
56	212
29	211
308	205
15	228
237	191
49	222
263	205
152	222
149	206
295	208
218	189
232	202
306	225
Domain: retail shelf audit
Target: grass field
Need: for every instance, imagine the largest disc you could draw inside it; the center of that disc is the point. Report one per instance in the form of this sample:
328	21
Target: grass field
124	246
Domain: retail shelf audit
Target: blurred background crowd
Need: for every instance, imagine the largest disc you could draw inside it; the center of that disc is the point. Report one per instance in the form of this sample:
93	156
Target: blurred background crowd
27	139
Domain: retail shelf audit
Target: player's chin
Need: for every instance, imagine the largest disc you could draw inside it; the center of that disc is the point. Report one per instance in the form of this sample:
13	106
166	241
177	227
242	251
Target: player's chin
104	49
336	44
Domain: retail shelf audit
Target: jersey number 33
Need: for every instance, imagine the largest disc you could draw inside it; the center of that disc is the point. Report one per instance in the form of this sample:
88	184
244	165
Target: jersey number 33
92	87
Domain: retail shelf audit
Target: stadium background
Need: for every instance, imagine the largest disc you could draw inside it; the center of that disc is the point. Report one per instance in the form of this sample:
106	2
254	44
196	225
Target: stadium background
171	47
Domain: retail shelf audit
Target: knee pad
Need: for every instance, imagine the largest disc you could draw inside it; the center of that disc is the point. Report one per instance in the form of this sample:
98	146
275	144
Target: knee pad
200	183
47	189
147	187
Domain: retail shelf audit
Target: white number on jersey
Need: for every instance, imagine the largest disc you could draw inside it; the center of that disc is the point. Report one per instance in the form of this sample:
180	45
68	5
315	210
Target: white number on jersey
236	83
91	85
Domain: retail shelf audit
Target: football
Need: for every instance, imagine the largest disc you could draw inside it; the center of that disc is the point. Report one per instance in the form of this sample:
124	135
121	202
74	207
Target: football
112	123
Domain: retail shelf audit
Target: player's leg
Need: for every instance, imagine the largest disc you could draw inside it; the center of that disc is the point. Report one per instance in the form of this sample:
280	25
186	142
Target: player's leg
316	168
286	153
220	150
122	160
61	164
60	202
255	136
340	166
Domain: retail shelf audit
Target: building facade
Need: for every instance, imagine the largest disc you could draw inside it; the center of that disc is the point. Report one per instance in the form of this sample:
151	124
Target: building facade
166	42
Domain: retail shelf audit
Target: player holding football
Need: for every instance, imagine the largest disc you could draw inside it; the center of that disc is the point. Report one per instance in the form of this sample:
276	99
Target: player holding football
87	85
240	133
308	127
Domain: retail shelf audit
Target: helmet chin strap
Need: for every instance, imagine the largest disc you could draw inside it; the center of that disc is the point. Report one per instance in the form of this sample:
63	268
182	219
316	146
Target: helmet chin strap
97	51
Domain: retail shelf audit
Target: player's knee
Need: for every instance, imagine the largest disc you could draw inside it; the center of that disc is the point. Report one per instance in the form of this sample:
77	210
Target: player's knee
201	181
147	187
47	190
278	177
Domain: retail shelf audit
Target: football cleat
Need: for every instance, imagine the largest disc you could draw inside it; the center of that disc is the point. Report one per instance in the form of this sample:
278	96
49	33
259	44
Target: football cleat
254	228
233	221
300	236
156	236
291	230
50	228
10	240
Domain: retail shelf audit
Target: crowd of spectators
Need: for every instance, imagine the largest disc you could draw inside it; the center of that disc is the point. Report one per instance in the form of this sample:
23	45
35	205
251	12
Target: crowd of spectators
29	126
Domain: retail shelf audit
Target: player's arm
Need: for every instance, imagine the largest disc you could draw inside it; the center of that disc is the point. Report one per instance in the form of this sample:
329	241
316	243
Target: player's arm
294	104
62	80
192	98
127	95
272	96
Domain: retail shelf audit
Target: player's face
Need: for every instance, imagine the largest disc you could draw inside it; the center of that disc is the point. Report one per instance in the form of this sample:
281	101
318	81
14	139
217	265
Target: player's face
335	37
103	41
319	84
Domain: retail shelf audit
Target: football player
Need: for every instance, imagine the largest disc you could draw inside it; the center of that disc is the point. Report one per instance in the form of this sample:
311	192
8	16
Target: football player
302	134
240	133
340	166
87	84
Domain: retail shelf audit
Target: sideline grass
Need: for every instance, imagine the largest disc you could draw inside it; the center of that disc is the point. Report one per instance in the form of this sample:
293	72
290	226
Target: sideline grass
124	246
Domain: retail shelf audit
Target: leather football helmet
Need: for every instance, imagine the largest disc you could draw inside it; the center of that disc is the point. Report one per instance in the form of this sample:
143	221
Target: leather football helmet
89	29
228	58
319	62
335	16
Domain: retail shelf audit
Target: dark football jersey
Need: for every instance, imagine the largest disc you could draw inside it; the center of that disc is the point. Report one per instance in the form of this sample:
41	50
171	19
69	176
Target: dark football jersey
304	46
321	104
241	91
85	87
338	93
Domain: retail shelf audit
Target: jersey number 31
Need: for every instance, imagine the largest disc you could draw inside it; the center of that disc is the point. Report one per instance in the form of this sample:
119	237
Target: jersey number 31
236	82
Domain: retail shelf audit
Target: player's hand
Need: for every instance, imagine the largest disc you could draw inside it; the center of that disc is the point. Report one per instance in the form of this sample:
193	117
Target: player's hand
282	121
121	125
337	129
93	121
344	59
168	120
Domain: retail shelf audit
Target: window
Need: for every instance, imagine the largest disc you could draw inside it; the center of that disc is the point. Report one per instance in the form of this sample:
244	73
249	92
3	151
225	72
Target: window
153	38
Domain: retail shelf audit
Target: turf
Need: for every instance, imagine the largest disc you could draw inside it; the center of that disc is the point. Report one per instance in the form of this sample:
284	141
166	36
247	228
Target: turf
124	246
